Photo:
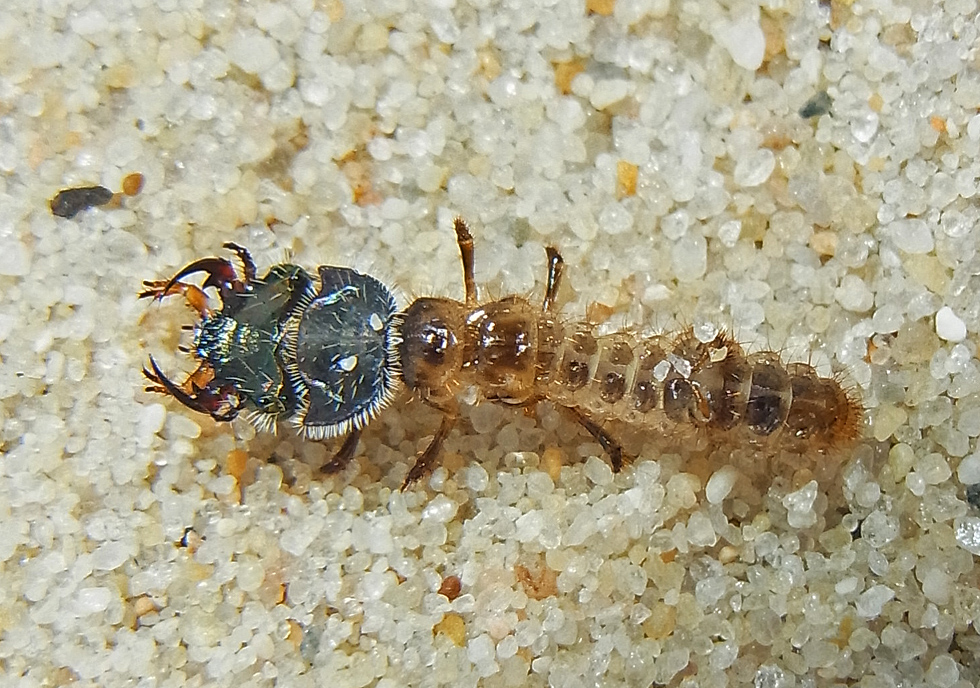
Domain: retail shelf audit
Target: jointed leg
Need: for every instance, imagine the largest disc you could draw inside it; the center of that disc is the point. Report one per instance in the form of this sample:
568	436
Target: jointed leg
465	241
608	442
344	454
555	267
424	463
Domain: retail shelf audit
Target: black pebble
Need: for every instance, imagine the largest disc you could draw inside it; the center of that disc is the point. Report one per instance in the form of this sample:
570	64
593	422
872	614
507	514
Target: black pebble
70	202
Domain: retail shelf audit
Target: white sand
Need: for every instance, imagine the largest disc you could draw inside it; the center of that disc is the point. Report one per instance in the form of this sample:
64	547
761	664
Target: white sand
352	134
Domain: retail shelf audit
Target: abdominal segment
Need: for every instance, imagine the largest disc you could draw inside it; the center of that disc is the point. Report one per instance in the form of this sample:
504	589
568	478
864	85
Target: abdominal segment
677	382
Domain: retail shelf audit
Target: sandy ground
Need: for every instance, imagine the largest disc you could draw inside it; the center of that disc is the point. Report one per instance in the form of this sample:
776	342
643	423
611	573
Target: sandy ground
802	173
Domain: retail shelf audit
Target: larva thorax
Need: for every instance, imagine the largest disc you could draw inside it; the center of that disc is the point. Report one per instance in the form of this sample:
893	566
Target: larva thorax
502	347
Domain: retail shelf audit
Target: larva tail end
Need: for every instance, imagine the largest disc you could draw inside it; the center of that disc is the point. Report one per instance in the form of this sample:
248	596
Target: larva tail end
848	428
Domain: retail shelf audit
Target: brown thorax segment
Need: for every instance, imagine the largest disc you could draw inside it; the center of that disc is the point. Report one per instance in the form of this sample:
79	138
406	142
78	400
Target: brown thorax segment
504	348
497	347
430	352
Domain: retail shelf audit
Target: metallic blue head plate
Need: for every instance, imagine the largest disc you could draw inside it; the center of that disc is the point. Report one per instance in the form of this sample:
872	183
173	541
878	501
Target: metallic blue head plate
344	353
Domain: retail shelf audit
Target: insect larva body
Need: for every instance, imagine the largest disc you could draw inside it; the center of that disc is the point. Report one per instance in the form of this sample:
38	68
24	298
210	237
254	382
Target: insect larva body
333	354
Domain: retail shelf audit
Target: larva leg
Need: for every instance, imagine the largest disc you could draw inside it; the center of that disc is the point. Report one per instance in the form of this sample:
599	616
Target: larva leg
343	456
611	446
556	265
465	241
424	463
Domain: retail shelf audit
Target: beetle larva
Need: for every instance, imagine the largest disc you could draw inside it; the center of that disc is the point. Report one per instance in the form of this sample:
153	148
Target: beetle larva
329	352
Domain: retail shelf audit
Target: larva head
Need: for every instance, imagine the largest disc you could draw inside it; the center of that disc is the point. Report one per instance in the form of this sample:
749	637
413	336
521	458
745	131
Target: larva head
239	343
344	361
236	345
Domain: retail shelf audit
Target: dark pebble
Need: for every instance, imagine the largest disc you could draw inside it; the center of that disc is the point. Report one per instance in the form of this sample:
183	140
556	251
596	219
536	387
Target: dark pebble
70	202
816	106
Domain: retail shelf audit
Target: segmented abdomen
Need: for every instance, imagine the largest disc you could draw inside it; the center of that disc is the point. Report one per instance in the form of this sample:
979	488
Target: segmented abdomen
712	386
